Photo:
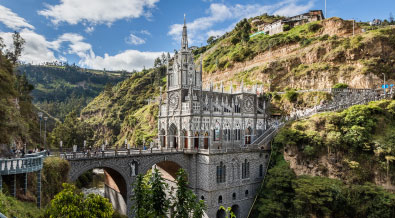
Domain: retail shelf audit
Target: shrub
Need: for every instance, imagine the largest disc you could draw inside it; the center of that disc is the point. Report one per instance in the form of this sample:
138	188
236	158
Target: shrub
324	37
305	42
286	27
314	27
340	86
291	95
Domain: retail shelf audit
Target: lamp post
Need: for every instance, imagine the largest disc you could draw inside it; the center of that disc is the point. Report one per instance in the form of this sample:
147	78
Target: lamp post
353	27
40	115
385	94
45	132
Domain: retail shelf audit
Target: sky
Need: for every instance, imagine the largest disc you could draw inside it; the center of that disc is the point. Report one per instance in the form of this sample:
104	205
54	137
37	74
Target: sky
130	34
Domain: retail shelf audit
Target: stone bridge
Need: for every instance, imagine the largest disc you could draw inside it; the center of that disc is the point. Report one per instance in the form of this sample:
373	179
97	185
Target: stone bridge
123	166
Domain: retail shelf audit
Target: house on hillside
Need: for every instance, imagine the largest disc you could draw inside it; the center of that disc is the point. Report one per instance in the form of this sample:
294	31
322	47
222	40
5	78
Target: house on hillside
375	22
278	26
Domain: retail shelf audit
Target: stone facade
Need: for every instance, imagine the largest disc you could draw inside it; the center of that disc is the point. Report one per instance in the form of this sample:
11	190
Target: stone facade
209	133
211	120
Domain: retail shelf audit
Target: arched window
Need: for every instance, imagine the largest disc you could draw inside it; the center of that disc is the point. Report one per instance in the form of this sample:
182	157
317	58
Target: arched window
227	134
246	193
196	140
237	108
216	134
206	140
185	134
237	134
248	134
234	196
245	168
221	173
162	137
202	197
220	199
260	170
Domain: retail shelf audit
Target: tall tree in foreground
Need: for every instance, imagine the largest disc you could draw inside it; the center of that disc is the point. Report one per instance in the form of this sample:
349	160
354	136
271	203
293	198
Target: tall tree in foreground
185	201
160	204
140	199
150	198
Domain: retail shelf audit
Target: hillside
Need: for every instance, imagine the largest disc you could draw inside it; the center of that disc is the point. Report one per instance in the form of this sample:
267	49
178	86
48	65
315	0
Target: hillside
60	89
333	164
18	120
124	112
311	56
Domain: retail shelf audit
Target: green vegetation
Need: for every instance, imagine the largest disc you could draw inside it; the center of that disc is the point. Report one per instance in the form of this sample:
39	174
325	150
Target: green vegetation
18	120
11	207
360	140
286	195
70	203
62	89
54	174
125	112
340	86
72	132
291	99
303	54
237	48
150	198
351	136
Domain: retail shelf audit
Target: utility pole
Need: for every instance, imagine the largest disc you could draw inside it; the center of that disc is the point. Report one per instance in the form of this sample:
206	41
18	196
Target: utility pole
45	132
353	27
325	11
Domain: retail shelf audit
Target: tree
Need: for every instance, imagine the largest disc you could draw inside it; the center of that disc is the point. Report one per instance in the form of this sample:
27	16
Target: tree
244	28
391	18
210	39
72	131
157	62
18	42
228	211
185	200
140	199
70	203
150	200
160	204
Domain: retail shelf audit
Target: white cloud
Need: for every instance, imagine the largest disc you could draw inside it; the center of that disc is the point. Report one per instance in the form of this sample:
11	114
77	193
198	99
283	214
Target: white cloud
36	50
89	29
145	32
127	60
135	40
12	20
201	28
97	11
292	9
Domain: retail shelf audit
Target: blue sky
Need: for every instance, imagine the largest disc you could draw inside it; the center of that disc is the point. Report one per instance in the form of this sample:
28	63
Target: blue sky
129	34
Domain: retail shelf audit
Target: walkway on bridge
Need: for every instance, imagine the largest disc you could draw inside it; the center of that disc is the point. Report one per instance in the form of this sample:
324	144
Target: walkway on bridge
31	163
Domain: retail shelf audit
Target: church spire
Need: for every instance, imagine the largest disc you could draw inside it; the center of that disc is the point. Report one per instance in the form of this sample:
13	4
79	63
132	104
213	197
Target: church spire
184	41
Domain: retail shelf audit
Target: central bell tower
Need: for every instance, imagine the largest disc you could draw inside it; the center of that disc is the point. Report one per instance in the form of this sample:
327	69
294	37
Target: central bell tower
183	72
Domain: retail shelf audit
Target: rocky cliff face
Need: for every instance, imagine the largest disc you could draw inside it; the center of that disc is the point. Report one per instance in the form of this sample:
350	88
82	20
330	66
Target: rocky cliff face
329	56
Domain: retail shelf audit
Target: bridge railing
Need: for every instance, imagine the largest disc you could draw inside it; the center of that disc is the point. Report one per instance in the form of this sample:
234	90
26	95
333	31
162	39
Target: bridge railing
116	153
134	152
21	165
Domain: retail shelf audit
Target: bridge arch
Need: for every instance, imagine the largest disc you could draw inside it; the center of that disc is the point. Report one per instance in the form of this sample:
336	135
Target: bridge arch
170	164
116	182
